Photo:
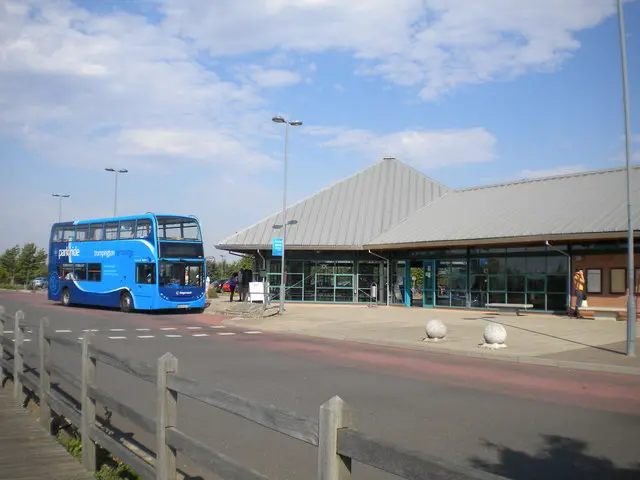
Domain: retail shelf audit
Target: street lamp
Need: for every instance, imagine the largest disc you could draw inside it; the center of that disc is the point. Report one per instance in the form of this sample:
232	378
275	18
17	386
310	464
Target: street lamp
115	199
296	123
60	197
631	297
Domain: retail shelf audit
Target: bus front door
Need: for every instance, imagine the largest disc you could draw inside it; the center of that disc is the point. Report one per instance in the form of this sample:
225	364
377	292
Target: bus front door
146	285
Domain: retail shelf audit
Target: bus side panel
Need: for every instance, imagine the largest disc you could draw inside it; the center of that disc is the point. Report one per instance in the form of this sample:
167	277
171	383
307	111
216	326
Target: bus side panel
117	271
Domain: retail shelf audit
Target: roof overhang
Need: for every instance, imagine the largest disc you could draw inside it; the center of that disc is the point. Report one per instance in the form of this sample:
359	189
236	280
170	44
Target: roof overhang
502	240
332	248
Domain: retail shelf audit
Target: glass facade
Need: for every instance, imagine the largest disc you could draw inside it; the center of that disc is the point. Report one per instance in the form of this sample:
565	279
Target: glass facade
460	278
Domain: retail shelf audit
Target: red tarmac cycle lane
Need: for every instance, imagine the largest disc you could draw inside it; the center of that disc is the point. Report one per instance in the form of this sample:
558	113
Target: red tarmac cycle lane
596	390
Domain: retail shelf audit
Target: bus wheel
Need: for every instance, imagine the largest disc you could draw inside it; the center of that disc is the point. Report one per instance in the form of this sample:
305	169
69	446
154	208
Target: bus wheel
66	297
126	302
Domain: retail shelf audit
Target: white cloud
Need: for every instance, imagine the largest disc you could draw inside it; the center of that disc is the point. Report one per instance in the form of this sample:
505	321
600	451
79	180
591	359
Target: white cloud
551	172
204	145
271	78
79	84
421	148
435	45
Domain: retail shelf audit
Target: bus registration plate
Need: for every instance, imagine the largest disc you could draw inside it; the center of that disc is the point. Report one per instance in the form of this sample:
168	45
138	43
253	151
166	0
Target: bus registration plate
183	306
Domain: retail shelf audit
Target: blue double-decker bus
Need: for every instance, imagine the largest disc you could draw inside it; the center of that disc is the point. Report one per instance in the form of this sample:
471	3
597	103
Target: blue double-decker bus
140	262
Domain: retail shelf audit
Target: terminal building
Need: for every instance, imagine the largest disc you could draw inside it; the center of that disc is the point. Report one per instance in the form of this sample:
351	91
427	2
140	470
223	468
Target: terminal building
391	235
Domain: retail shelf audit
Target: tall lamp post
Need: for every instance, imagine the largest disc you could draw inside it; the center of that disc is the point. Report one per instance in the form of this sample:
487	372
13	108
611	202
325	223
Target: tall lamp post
296	123
60	197
631	293
115	199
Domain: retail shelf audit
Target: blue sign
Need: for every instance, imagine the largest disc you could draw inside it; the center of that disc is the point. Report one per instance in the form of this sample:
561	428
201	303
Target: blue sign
276	247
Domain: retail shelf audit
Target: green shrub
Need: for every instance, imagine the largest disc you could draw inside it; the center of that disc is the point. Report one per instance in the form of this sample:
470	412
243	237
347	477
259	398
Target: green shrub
213	293
8	286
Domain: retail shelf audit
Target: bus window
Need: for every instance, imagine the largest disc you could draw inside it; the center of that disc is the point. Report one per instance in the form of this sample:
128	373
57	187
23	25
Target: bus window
145	273
80	271
67	271
143	229
82	233
111	231
95	272
126	229
63	234
96	231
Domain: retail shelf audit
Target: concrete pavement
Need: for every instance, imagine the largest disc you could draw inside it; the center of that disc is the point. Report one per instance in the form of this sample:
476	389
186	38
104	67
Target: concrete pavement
538	339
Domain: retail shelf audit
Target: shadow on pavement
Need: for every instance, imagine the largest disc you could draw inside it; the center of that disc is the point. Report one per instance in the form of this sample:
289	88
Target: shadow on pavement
560	458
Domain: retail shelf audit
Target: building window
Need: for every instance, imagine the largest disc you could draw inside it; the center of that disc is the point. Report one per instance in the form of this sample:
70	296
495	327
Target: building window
594	280
618	280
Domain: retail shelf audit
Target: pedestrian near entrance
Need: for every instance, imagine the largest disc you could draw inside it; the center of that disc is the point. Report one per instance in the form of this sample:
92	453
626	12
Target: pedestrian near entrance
233	283
579	291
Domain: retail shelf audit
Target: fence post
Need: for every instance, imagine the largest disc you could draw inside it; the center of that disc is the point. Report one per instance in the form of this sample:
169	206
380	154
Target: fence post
334	414
2	371
45	377
88	406
18	362
167	416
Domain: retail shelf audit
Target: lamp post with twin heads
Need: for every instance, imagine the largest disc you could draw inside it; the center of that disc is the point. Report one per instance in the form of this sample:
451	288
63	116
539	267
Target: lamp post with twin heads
115	199
60	197
295	123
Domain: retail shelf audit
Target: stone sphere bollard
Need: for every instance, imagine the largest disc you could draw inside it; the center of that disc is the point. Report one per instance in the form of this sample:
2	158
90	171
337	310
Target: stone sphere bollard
494	336
436	331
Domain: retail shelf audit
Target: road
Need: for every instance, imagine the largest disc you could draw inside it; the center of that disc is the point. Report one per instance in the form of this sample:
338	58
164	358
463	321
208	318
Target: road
519	421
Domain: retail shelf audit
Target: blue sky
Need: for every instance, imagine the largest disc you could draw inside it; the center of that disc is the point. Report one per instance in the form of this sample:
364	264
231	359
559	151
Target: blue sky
181	93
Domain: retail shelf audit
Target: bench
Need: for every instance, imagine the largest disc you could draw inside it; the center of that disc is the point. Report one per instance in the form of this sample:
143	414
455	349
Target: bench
605	313
510	308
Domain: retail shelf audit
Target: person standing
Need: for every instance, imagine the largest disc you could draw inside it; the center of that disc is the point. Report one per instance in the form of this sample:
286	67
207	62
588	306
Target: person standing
579	290
233	283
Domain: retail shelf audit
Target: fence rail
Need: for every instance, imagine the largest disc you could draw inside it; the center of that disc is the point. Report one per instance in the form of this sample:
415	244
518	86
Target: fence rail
338	442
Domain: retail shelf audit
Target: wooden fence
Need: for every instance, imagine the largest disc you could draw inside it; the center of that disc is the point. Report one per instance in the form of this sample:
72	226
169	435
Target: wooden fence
338	442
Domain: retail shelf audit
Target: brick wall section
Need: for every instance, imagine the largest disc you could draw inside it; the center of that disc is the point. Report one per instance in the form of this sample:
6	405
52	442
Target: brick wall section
605	262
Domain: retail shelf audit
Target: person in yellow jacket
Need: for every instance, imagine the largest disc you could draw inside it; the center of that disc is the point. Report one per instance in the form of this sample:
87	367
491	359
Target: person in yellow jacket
579	290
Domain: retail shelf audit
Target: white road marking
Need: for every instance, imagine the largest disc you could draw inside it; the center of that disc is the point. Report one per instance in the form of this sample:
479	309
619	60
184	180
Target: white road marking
172	336
116	338
218	326
200	335
26	339
253	332
168	328
10	331
146	336
63	331
116	330
194	328
143	329
226	333
89	330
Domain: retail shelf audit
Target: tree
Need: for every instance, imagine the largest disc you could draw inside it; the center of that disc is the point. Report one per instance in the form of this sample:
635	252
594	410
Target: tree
31	261
9	262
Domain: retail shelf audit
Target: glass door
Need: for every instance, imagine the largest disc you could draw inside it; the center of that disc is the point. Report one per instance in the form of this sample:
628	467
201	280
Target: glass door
428	284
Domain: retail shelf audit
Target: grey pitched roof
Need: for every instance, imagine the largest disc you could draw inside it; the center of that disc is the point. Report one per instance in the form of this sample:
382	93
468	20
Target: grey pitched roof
583	203
346	214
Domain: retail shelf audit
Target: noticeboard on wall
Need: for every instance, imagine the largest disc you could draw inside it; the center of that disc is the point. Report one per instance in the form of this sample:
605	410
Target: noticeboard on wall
594	280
